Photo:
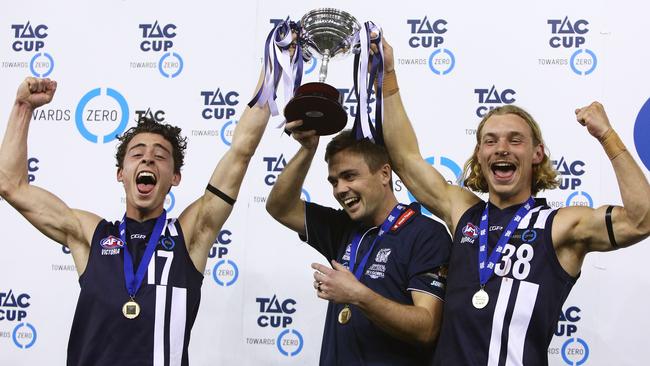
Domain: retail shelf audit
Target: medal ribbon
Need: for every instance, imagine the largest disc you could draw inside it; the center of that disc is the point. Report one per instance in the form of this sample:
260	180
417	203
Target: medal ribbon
133	281
485	265
394	214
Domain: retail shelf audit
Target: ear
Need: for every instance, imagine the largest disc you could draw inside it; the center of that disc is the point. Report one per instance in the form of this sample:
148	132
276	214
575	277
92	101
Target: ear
120	176
385	172
538	154
176	179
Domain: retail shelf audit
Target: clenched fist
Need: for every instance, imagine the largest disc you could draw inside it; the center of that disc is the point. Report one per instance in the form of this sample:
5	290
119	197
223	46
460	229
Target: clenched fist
36	92
594	118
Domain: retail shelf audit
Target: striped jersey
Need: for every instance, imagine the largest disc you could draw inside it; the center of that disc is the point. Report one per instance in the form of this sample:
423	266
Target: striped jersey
168	297
526	292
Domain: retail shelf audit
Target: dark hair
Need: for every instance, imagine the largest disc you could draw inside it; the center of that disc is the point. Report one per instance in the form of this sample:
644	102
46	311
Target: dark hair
149	125
374	155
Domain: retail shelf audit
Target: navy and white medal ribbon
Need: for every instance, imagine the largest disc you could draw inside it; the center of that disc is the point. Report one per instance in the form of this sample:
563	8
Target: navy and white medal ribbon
133	280
280	66
486	265
364	82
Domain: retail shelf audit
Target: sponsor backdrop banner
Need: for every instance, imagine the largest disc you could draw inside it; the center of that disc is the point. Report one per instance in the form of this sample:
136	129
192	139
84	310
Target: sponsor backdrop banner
195	65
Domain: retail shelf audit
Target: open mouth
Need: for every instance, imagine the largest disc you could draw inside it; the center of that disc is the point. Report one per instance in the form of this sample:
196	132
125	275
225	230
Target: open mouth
145	181
503	170
351	201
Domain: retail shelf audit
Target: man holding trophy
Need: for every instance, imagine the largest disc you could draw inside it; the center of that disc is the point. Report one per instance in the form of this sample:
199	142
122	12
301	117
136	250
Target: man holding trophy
388	271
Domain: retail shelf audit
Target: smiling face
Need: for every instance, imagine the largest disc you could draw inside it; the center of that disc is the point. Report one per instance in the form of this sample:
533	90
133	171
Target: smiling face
363	194
147	174
506	154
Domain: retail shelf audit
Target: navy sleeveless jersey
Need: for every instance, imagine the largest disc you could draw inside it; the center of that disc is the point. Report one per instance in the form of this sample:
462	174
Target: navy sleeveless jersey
168	297
526	292
405	260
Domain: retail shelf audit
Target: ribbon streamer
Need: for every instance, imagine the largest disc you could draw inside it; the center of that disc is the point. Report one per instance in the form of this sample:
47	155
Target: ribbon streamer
279	66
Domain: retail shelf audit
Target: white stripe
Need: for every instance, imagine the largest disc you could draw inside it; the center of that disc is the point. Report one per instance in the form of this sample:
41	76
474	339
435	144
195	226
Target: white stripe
541	220
177	325
151	270
521	315
524	222
172	228
497	321
159	327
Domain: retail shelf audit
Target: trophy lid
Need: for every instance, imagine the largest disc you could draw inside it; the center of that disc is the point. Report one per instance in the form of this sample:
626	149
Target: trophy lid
328	31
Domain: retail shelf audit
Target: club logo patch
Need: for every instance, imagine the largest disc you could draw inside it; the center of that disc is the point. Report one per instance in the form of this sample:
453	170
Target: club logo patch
111	242
111	245
382	255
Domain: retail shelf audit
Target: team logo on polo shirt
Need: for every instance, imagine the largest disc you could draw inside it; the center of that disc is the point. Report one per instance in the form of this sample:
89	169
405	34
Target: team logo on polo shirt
470	233
382	255
111	245
346	255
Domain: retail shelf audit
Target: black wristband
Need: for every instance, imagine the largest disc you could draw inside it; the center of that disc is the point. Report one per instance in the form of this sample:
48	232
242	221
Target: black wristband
220	194
610	228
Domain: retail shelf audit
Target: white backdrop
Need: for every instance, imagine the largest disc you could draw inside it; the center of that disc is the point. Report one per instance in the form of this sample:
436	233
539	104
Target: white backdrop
194	64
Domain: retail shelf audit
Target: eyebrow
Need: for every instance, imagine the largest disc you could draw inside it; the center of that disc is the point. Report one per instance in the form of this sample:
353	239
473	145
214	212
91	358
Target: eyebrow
142	144
508	134
348	171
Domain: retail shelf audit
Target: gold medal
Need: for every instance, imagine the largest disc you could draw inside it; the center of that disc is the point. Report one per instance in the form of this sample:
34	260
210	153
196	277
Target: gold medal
131	309
345	314
480	299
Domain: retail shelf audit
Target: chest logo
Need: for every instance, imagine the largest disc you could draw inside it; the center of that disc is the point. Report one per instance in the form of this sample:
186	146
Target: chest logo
382	255
111	242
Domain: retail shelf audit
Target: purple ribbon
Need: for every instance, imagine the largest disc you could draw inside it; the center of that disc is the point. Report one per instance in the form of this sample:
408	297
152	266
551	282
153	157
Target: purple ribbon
279	66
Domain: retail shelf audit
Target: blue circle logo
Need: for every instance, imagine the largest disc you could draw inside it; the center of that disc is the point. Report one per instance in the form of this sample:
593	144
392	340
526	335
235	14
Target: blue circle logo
312	67
529	236
284	341
225	276
34	65
590	62
172	201
24	338
642	134
227	132
124	107
167	242
447	163
581	351
170	68
442	61
574	199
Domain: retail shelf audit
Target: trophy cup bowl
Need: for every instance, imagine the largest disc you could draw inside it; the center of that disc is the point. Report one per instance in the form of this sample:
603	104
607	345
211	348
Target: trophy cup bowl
325	33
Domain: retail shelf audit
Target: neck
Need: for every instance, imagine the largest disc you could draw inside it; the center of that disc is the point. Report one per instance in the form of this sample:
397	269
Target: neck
142	215
502	201
384	210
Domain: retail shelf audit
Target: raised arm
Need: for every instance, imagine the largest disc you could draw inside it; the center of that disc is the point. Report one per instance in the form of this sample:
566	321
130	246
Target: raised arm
579	230
429	187
49	214
284	202
202	220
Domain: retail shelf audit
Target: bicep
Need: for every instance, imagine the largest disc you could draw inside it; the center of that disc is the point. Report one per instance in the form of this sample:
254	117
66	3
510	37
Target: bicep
50	215
432	304
293	216
592	229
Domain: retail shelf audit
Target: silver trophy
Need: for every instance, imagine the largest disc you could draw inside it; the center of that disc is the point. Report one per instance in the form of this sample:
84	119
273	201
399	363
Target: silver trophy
325	33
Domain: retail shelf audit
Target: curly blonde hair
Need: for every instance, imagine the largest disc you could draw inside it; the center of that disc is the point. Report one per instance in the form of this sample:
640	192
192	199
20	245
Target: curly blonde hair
544	175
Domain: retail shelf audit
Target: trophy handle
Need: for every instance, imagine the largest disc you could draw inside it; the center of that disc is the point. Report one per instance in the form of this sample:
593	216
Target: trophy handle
323	67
